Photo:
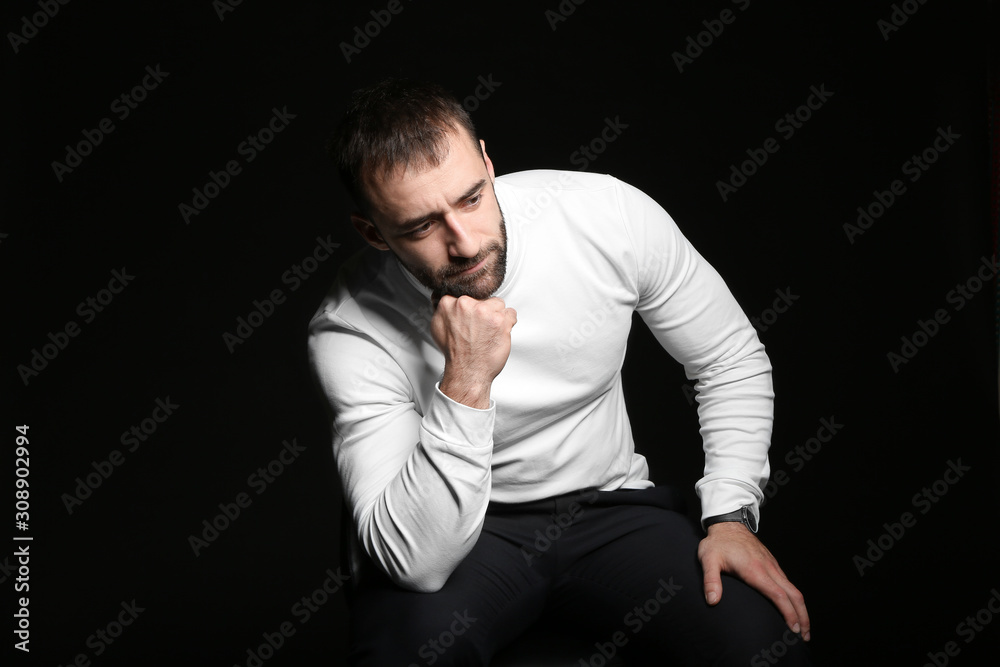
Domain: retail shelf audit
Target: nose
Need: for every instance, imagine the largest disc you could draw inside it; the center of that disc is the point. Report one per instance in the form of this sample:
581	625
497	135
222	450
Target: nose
461	241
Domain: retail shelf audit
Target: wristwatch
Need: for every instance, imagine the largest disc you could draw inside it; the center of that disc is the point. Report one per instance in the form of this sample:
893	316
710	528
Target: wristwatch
742	515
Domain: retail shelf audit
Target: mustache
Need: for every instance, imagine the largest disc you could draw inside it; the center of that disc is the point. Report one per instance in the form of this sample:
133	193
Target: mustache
468	264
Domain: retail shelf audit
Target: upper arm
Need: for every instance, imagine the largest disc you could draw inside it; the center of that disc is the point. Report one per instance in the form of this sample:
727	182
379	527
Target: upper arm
681	297
374	416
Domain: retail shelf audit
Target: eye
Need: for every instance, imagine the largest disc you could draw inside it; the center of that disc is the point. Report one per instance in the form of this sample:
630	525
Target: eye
422	229
474	200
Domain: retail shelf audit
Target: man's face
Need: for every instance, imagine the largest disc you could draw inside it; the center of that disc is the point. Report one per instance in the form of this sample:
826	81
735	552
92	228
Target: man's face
443	223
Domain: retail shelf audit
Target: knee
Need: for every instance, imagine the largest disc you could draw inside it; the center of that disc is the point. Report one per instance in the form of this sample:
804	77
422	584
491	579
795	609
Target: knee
788	650
423	639
449	641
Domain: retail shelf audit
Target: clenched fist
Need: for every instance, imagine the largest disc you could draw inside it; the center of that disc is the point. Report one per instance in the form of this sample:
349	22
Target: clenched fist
474	337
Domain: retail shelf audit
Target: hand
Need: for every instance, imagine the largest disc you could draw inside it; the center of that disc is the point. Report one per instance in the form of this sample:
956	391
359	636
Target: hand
730	547
474	337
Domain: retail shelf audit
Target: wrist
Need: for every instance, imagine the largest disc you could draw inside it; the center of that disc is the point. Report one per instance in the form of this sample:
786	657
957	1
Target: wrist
475	394
743	515
729	527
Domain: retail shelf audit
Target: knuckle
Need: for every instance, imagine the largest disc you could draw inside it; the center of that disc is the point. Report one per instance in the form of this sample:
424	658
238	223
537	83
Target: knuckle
780	597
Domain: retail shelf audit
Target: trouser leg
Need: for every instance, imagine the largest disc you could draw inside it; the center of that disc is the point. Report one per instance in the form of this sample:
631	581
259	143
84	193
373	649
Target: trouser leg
490	599
630	577
620	568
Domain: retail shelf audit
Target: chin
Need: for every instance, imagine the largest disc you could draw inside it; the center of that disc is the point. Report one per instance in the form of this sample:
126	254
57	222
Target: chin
482	286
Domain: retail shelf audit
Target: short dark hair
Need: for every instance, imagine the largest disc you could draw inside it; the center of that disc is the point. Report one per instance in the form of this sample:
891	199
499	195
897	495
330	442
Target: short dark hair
394	124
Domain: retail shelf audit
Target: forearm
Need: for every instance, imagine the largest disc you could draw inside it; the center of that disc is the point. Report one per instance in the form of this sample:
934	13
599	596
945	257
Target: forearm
414	462
425	519
735	409
695	317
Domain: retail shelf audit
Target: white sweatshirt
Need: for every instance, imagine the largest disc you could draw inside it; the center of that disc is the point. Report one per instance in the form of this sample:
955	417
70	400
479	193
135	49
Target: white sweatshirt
584	252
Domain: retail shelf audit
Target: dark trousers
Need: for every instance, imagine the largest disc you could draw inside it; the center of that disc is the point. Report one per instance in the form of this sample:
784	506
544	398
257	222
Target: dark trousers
619	568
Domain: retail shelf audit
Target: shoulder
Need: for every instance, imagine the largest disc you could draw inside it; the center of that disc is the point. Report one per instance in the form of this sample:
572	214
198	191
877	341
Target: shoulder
363	295
555	180
536	187
550	194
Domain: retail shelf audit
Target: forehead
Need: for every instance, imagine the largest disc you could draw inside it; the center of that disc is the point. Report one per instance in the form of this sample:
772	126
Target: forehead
425	188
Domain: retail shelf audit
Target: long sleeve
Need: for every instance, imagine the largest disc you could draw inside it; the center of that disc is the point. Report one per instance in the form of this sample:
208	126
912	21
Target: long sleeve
691	312
418	484
419	469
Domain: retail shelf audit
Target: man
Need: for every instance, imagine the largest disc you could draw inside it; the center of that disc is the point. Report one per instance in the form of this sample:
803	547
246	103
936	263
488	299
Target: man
480	429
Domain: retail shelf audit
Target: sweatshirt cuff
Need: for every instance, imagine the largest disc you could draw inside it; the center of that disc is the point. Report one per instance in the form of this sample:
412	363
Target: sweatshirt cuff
721	496
451	423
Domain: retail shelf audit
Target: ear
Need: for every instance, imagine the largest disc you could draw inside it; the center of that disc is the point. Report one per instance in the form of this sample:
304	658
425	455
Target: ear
369	232
487	160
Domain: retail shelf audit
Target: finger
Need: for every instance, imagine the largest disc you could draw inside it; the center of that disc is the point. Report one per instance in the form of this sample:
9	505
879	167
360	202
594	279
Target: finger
793	605
799	602
787	599
799	621
713	580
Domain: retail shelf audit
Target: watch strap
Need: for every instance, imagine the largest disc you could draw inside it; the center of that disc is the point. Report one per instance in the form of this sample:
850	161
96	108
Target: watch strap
742	515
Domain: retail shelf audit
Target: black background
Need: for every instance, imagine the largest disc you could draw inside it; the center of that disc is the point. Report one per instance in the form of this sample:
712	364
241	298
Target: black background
553	89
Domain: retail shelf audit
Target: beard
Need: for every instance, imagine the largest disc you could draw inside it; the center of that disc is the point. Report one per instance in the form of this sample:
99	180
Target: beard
479	285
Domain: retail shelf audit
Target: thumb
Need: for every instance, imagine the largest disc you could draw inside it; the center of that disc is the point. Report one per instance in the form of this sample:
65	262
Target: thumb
713	580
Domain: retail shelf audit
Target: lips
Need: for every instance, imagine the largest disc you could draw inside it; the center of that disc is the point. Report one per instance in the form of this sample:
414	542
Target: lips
473	269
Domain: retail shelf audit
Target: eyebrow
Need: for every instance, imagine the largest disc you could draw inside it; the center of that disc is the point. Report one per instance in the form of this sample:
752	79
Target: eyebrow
413	223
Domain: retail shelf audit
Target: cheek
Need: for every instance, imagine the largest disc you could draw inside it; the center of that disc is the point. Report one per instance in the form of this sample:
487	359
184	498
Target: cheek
427	256
488	223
